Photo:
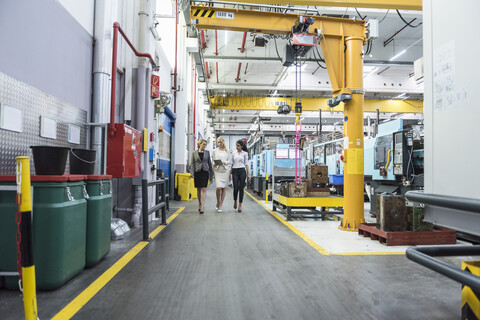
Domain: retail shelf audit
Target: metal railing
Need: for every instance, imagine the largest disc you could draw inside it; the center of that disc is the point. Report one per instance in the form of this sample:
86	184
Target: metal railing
161	203
424	254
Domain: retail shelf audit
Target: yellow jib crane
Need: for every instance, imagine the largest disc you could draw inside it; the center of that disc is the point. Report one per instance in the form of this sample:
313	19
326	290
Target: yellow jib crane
341	41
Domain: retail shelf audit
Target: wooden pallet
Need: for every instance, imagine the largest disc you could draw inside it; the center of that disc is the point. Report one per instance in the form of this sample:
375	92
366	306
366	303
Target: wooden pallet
438	236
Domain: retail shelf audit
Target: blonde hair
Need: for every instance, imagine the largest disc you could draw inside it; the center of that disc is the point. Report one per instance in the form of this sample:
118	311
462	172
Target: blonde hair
199	142
223	140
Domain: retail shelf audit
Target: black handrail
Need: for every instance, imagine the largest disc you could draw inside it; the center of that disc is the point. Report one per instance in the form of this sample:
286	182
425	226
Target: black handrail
457	203
424	255
161	202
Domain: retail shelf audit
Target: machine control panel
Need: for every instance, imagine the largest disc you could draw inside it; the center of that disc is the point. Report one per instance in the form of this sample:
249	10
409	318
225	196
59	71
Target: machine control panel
402	142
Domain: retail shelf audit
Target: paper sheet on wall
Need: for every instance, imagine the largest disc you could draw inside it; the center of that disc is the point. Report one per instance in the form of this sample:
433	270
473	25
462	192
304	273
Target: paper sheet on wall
355	161
445	93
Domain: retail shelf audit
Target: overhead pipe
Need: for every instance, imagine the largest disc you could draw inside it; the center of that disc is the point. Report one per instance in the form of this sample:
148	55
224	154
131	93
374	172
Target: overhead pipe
204	44
194	103
101	78
175	68
242	49
238	72
116	29
206	70
216	43
386	42
216	70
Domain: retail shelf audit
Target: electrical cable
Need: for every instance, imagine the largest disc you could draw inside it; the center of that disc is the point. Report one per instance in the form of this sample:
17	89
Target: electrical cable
276	49
360	16
384	16
316	60
407	23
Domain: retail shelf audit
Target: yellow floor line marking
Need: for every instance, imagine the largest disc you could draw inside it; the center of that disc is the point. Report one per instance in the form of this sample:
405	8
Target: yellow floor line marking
368	253
154	233
313	243
297	232
73	307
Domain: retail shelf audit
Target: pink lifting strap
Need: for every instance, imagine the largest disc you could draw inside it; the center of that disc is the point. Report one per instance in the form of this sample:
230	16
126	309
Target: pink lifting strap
298	158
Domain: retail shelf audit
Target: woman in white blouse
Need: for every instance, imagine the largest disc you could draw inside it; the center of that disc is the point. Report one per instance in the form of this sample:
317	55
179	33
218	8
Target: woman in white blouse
221	171
239	171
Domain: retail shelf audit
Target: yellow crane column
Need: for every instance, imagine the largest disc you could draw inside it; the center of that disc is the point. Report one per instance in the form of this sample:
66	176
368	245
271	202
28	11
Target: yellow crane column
353	132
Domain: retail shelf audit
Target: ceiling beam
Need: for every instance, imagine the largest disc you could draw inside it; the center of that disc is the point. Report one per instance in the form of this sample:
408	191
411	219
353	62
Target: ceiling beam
314	104
269	22
251	59
379	4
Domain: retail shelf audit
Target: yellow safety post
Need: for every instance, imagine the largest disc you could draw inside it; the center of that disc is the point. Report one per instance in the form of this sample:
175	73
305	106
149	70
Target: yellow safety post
266	188
470	298
353	132
24	239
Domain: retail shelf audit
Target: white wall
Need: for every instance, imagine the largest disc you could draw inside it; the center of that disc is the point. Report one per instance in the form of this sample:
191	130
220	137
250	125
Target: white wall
451	108
82	11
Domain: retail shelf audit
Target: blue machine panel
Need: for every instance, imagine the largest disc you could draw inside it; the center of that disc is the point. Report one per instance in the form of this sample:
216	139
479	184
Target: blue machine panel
335	165
377	150
269	162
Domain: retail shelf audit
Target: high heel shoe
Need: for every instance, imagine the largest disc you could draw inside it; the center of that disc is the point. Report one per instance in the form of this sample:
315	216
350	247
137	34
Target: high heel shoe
240	208
235	205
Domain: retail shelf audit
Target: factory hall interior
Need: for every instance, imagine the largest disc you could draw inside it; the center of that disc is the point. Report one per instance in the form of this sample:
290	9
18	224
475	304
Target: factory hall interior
254	159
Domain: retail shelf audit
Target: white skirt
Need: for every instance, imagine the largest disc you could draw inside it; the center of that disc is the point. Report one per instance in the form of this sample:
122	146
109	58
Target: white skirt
221	179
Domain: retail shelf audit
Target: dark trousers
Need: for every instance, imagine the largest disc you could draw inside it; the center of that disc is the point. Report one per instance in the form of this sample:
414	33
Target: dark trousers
238	176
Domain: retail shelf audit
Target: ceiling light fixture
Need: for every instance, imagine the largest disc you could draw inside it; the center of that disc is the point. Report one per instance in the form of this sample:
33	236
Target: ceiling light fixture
371	72
398	55
403	95
403	51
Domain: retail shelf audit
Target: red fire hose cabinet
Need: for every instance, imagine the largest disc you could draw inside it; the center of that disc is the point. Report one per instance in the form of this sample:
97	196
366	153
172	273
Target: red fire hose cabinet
124	152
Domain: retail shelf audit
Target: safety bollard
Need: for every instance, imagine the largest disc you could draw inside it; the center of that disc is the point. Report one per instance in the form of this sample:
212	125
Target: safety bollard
24	238
470	298
266	188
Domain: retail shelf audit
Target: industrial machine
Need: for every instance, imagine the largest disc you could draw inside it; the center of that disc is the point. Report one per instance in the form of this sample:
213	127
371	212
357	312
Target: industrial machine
393	161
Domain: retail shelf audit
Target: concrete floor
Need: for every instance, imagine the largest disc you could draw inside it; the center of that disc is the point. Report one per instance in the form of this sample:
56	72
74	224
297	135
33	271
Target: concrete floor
250	265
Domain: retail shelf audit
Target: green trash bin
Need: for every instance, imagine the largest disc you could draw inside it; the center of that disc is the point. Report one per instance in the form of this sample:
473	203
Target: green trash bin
8	227
59	229
99	215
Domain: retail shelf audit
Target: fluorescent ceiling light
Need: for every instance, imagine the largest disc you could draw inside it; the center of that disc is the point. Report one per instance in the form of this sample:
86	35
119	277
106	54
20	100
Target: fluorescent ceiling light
403	95
276	91
371	71
398	55
368	68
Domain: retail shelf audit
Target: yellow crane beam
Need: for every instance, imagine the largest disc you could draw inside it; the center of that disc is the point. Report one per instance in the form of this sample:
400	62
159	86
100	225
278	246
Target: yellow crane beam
332	41
314	104
379	4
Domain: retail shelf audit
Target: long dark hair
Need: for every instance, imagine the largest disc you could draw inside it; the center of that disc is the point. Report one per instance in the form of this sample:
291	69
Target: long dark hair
243	145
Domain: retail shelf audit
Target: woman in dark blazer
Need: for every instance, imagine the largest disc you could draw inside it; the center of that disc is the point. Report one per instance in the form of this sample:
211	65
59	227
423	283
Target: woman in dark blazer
201	168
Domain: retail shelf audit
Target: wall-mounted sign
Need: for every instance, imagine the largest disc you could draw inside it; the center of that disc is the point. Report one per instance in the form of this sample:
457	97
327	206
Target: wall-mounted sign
154	86
10	118
48	127
73	134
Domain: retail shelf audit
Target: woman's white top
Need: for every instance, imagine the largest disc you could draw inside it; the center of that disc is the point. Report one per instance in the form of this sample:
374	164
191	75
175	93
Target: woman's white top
239	160
224	156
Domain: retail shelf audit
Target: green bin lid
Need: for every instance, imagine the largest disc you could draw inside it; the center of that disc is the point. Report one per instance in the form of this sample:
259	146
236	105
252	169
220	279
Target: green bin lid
46	178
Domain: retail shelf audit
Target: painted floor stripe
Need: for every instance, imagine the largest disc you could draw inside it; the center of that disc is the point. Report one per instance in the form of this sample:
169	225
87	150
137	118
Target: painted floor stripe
313	243
291	227
82	299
